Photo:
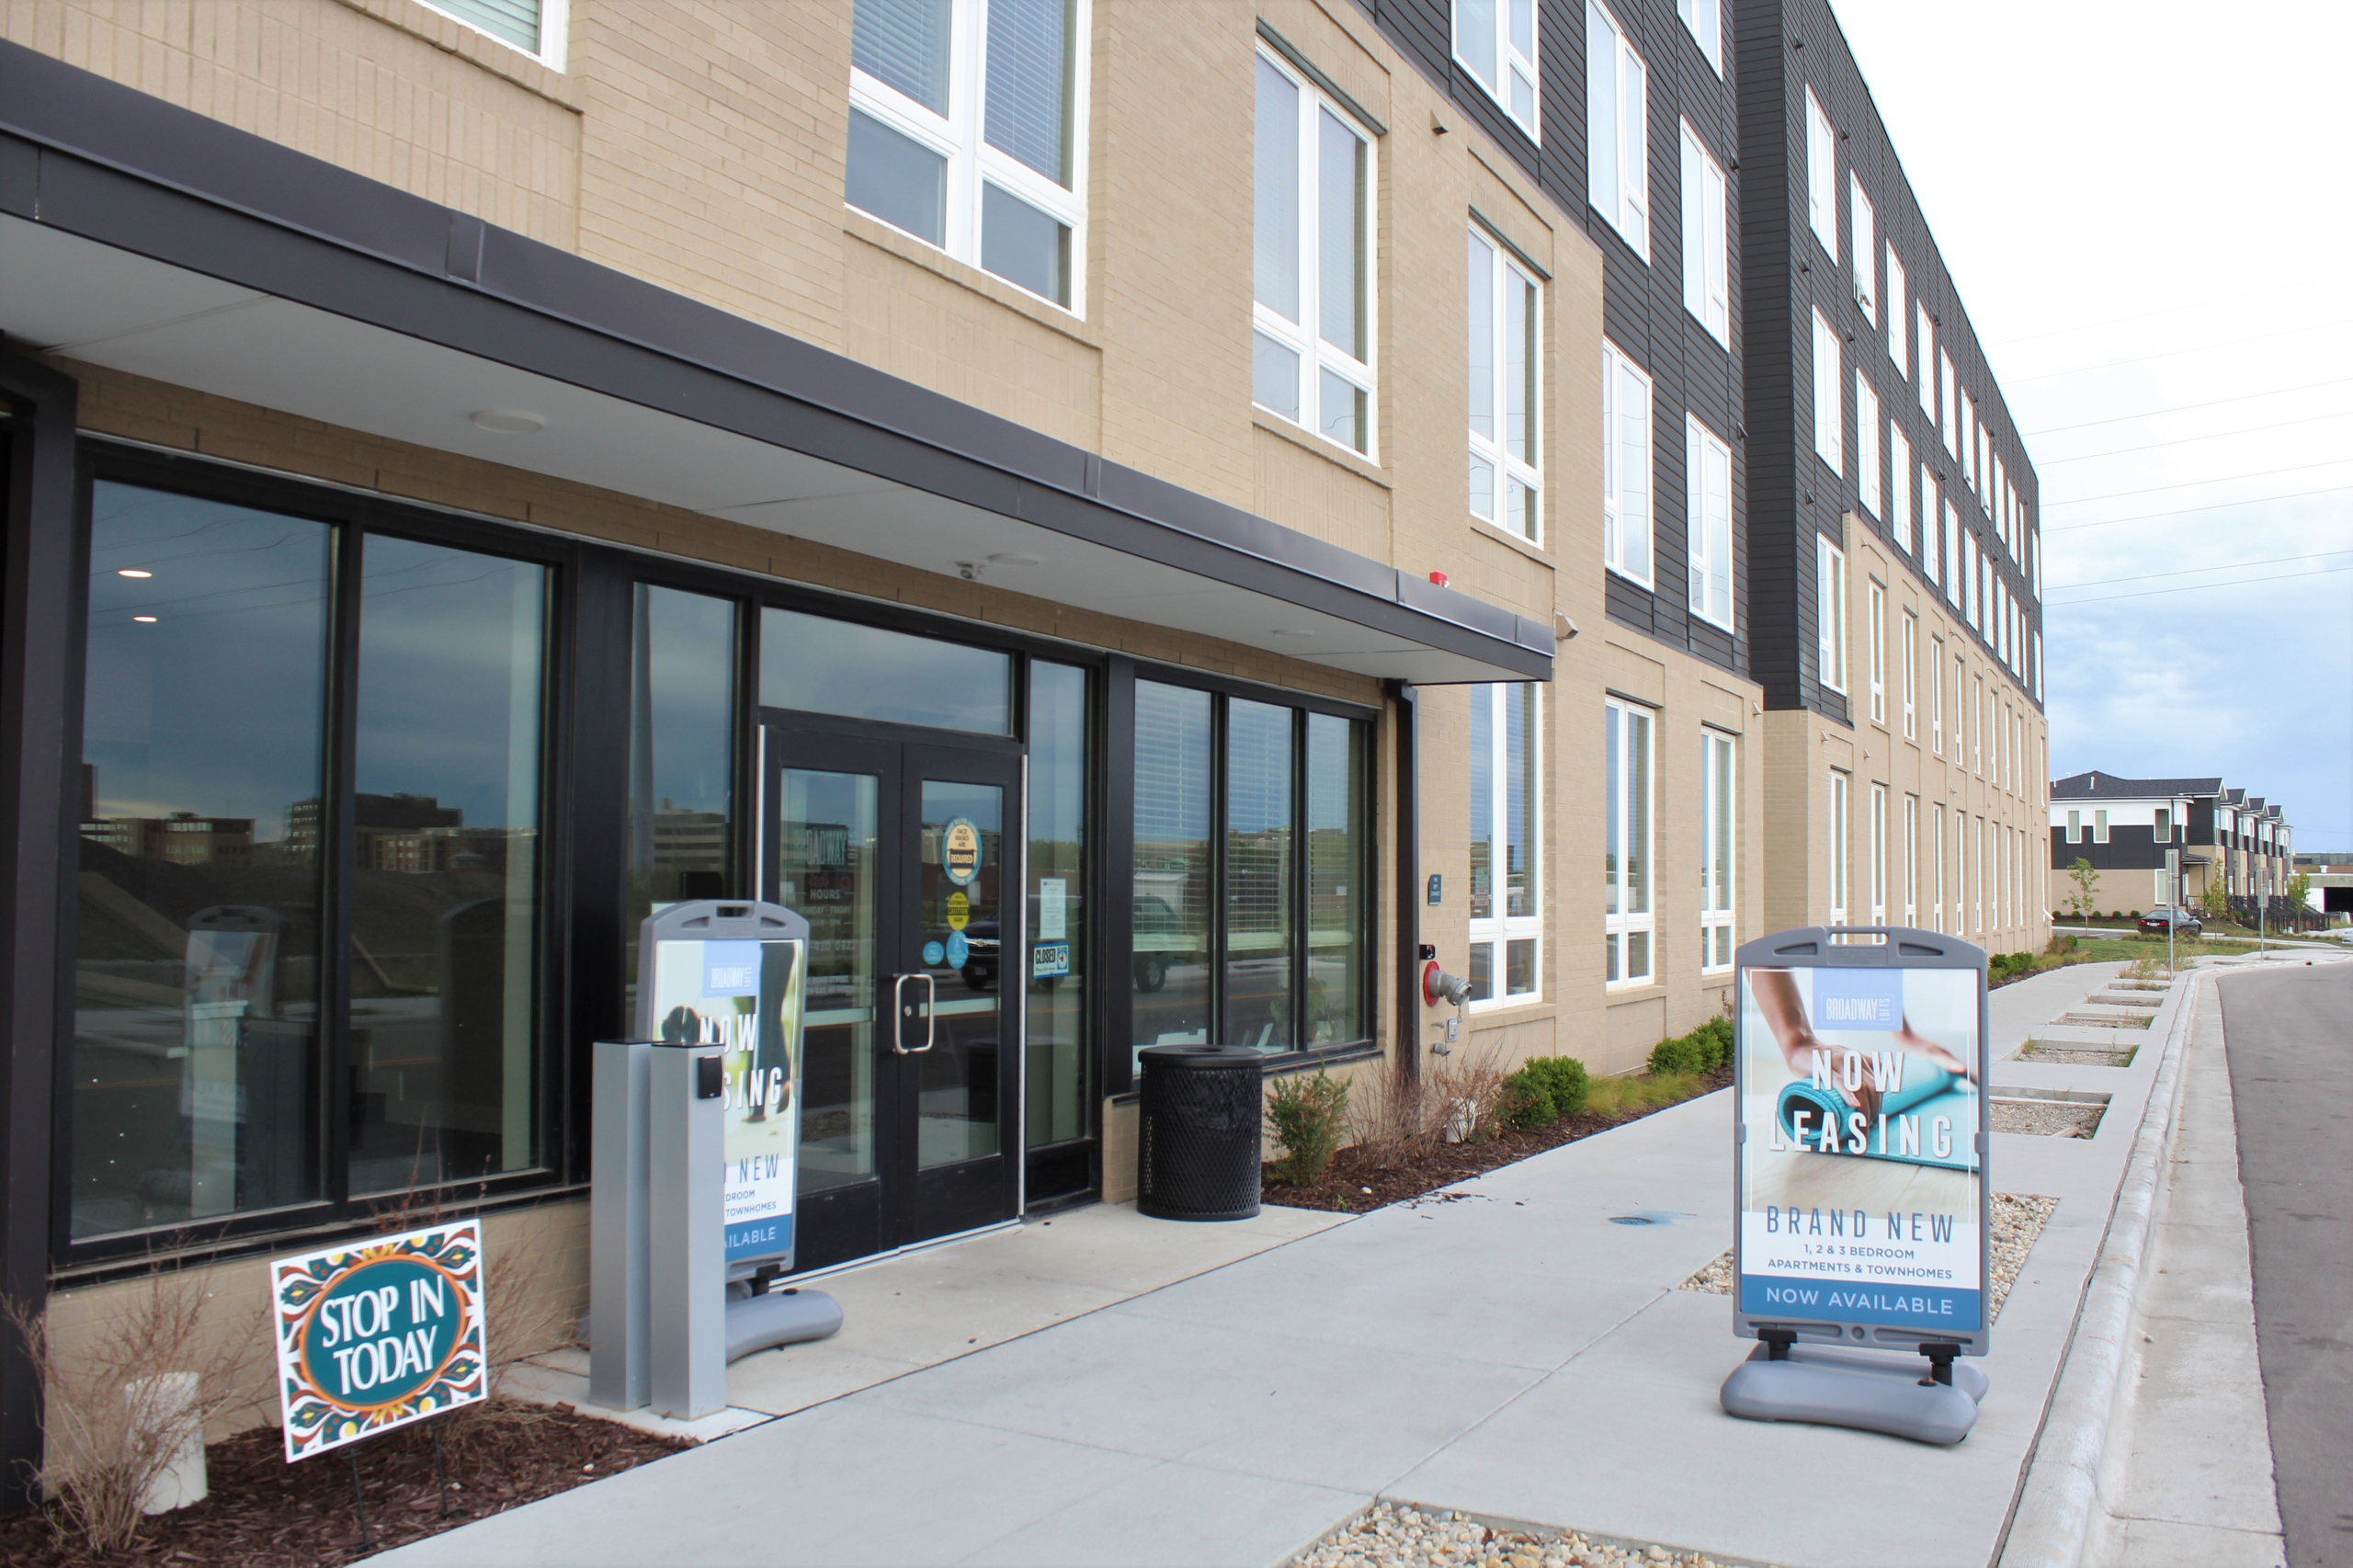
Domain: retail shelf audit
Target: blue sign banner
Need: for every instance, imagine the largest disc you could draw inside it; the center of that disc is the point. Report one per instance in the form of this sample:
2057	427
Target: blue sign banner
1866	999
1923	1307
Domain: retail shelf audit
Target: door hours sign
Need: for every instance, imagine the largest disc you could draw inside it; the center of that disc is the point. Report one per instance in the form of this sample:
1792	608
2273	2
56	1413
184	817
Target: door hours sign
377	1333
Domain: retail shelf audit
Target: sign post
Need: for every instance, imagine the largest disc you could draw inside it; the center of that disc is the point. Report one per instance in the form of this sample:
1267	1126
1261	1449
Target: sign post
377	1333
1859	1170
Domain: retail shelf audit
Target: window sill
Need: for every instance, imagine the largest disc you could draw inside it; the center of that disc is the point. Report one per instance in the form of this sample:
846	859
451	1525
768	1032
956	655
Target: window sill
1502	535
1512	1010
1625	576
1298	435
907	248
1613	992
497	57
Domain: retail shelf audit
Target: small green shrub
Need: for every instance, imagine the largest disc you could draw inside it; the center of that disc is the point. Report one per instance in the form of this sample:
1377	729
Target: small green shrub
1306	1114
1545	1089
1704	1050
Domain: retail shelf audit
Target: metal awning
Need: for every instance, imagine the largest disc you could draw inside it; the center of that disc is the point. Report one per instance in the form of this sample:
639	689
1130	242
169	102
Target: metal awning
152	240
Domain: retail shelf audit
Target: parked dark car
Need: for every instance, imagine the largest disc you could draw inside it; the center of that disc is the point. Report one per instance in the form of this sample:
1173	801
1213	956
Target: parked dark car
2181	921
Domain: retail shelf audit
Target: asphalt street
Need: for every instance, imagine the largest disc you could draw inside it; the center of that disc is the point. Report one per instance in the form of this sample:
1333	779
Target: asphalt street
2291	1033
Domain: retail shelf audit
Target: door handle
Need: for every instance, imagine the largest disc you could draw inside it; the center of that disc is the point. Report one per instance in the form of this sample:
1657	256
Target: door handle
901	1012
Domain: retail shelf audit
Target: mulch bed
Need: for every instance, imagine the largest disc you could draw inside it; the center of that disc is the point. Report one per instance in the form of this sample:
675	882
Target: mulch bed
265	1513
1354	1185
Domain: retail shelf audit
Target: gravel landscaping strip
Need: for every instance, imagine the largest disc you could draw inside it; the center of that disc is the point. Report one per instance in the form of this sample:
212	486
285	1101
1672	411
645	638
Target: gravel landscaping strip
2077	1056
2017	1220
1396	1535
2045	1119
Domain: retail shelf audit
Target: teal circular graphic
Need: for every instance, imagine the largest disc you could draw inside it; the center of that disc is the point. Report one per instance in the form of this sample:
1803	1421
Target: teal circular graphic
933	952
959	949
381	1332
960	851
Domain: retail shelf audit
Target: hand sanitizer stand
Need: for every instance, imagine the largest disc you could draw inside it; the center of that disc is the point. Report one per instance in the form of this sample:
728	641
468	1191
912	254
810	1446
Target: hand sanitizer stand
696	1129
1860	1189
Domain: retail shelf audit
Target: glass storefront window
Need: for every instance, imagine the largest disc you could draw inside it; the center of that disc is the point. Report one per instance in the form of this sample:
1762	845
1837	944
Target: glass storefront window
1241	978
827	868
816	666
446	884
1338	776
681	756
1258	877
1172	877
196	1010
1058	926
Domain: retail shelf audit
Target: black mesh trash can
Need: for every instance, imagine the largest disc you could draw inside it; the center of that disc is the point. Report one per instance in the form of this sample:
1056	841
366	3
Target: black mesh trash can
1198	1150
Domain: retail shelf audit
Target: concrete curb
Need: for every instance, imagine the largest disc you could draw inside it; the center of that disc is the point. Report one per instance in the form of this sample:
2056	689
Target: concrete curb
2052	1524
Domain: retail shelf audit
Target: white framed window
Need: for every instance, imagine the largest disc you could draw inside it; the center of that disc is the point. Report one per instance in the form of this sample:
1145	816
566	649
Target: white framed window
1968	407
1628	921
1841	847
1911	652
1948	524
1707	464
1937	696
1830	614
1506	806
1937	862
1947	415
1867	479
2165	824
1311	356
1899	317
1977	731
535	26
1496	41
1821	174
967	131
1875	629
1977	905
1973	597
1627	471
1900	479
1879	853
1707	253
2099	827
1829	421
1862	243
1506	362
2074	825
2037	666
1912	859
1706	20
1960	703
1924	330
1617	143
1719	797
1960	871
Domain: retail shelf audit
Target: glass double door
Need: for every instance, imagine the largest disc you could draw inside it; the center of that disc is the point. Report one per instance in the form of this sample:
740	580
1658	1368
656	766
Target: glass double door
898	854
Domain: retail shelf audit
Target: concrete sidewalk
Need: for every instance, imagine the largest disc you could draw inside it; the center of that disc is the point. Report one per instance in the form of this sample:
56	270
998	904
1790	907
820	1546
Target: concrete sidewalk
1512	1348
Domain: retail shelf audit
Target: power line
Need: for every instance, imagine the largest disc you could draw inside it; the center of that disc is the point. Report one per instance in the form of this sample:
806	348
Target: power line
2190	589
2194	483
2187	571
2178	353
2193	511
2185	408
2185	441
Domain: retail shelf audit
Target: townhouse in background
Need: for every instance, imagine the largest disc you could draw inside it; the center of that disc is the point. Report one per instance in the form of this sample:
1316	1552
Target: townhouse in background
1894	528
494	469
2240	847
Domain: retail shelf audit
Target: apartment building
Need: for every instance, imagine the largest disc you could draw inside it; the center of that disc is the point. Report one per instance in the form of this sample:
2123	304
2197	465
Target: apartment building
1892	512
2230	843
492	470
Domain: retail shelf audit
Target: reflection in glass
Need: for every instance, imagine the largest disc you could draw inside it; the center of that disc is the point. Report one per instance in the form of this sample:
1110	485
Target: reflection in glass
196	969
1056	1044
444	1012
1520	798
895	178
1340	236
958	908
681	756
1172	865
1274	235
1482	802
1258	875
1337	846
865	672
825	871
1023	245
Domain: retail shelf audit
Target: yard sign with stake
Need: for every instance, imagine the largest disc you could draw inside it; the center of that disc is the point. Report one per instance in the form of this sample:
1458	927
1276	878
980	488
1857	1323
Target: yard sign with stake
377	1333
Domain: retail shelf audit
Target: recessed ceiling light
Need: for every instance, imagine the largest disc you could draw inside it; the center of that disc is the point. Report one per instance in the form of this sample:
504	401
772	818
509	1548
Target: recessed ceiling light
133	572
1017	557
145	620
510	421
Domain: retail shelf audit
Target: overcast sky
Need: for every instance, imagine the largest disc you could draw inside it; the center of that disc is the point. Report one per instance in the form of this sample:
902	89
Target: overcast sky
2146	211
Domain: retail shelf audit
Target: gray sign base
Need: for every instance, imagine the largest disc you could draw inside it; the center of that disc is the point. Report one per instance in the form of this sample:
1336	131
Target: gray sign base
1873	1392
780	1317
